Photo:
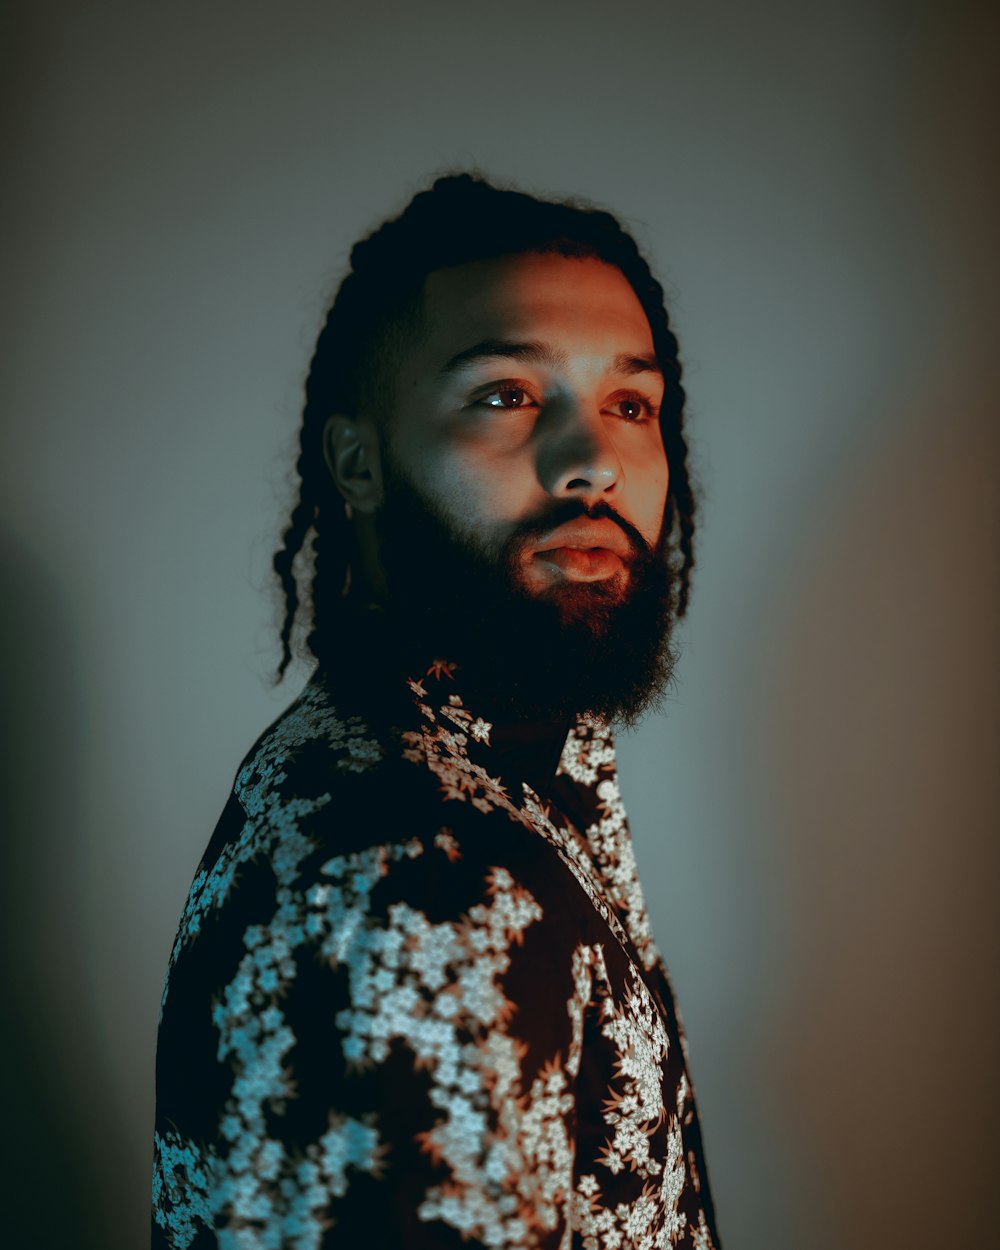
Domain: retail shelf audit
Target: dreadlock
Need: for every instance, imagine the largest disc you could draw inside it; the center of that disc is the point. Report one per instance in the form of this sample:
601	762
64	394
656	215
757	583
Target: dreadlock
460	219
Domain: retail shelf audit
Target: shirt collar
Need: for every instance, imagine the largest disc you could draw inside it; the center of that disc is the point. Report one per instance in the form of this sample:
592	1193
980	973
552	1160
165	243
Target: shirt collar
376	673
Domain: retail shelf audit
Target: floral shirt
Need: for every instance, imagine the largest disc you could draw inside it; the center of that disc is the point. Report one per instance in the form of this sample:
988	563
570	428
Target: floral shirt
414	999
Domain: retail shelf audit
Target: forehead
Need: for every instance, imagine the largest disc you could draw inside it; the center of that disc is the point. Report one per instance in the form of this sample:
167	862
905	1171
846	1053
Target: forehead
579	300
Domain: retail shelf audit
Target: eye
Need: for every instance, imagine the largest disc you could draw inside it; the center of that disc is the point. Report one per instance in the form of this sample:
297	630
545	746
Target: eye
635	409
509	397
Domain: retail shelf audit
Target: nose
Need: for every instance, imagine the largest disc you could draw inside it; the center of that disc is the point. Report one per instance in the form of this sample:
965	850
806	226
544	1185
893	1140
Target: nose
579	460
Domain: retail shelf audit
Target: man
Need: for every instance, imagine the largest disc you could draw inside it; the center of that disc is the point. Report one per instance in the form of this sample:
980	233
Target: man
414	998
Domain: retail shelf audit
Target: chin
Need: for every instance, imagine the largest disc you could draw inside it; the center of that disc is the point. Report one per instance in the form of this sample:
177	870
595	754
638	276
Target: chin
584	603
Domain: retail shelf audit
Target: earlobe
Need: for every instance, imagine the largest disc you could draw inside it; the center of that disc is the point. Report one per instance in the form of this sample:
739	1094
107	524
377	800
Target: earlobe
351	451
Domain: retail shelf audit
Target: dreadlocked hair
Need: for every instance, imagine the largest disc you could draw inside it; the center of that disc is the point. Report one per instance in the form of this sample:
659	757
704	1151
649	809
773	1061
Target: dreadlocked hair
376	313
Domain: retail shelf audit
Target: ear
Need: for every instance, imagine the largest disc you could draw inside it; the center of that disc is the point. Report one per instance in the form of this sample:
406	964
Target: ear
351	451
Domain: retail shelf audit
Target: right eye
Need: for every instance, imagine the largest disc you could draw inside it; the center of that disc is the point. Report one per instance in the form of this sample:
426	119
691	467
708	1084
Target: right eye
509	397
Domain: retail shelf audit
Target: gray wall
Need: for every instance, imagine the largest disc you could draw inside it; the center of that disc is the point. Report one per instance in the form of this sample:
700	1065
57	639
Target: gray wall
818	188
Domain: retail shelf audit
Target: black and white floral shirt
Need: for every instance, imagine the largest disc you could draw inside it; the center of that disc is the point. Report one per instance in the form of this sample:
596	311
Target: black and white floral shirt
414	999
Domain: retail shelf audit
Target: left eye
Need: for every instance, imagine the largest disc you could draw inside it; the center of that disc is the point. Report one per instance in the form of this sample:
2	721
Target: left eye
634	408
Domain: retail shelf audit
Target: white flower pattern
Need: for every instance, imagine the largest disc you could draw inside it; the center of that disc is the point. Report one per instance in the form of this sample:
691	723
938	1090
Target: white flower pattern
476	1018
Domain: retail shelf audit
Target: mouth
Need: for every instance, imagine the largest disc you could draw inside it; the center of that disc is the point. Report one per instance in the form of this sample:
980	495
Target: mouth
583	551
580	564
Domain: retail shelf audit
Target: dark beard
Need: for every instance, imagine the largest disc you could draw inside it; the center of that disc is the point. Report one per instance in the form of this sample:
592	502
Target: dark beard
580	647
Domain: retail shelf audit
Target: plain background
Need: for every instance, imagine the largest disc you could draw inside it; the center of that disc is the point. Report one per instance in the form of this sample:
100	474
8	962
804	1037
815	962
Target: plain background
817	186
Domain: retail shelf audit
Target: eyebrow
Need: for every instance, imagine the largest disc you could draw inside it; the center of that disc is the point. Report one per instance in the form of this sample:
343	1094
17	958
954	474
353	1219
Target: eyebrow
533	352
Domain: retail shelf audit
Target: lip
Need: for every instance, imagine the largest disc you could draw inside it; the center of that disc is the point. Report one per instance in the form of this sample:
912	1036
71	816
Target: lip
584	551
581	564
586	536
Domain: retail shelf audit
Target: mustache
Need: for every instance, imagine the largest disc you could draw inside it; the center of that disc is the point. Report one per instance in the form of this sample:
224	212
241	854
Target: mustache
561	513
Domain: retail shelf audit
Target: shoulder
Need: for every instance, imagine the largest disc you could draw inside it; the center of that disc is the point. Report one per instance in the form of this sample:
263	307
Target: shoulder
309	776
312	738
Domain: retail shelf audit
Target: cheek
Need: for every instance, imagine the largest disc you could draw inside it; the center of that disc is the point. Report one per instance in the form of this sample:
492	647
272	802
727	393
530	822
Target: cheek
479	493
647	494
471	501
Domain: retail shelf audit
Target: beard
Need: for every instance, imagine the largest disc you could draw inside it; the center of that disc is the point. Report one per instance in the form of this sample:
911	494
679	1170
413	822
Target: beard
600	647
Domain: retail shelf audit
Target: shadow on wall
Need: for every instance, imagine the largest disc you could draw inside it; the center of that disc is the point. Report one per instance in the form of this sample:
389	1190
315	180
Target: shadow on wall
62	1144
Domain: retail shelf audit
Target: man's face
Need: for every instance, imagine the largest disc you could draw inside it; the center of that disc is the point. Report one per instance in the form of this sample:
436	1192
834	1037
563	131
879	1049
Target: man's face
535	383
525	478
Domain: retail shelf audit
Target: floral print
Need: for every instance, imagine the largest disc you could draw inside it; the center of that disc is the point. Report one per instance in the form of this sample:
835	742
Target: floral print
414	998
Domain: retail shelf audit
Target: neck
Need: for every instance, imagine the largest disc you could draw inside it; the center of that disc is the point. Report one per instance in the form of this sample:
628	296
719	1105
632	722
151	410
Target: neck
374	651
378	670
